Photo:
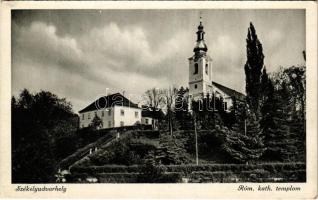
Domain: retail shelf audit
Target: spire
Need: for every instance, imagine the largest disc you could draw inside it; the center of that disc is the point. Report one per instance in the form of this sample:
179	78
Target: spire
200	47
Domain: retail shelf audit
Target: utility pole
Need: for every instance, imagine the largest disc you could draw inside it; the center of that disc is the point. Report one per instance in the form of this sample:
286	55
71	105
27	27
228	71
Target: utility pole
196	140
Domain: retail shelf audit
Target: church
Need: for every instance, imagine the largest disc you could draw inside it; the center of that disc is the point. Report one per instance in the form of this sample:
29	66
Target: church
118	111
200	75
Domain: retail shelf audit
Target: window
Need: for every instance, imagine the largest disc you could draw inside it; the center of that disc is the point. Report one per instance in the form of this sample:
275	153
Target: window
89	116
109	124
109	112
196	68
122	112
195	86
136	114
121	123
83	117
102	113
146	121
225	105
207	69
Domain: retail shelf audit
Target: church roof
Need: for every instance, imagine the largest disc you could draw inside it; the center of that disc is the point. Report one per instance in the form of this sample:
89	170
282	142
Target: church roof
109	101
229	91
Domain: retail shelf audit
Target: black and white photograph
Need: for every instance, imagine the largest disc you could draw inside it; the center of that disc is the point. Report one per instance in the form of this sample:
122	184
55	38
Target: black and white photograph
158	96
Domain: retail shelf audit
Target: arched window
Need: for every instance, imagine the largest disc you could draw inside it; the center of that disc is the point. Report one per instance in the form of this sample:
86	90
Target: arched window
196	68
195	86
207	69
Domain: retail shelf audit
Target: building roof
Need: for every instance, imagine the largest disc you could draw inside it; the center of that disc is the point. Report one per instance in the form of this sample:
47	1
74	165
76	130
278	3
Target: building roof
152	112
229	91
109	101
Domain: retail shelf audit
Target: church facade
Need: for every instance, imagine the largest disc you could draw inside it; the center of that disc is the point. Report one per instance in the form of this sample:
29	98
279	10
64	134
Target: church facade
200	75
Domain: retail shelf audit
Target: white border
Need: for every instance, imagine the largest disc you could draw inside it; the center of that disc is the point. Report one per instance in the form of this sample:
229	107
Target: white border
214	190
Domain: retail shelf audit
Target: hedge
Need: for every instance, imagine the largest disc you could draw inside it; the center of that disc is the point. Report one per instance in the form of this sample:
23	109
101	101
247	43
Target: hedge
278	172
187	169
106	169
122	178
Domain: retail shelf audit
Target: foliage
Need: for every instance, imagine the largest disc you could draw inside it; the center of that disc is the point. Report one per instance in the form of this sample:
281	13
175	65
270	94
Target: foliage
183	118
244	142
41	123
209	113
171	149
253	69
120	152
295	79
152	171
154	99
280	139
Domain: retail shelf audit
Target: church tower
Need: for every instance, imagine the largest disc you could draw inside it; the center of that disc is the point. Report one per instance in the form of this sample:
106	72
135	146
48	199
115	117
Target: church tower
200	68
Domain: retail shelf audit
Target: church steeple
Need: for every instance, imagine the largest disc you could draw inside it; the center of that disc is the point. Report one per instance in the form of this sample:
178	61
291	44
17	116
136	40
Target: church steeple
200	46
200	68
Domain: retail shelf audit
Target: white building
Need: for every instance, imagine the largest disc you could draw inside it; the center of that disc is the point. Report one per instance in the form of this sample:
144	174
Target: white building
200	75
114	110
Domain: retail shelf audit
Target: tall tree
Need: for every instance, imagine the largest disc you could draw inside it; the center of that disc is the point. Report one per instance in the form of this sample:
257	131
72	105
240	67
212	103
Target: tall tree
154	98
154	101
182	115
280	140
294	80
170	96
253	69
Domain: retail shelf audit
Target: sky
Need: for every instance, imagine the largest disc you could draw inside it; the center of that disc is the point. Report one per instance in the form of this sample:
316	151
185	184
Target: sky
81	55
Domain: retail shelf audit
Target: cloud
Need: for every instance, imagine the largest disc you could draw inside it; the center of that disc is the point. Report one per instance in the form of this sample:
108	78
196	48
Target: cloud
128	48
228	54
40	41
119	58
78	54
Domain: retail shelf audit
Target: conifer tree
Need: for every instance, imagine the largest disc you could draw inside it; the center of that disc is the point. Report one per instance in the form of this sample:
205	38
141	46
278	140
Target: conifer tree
244	142
234	138
253	69
268	106
183	119
266	90
171	149
280	140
